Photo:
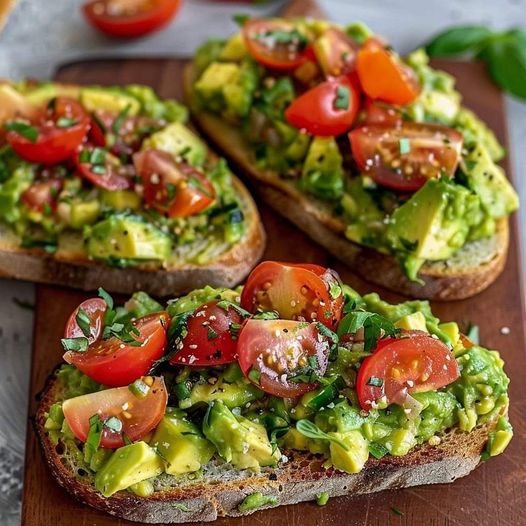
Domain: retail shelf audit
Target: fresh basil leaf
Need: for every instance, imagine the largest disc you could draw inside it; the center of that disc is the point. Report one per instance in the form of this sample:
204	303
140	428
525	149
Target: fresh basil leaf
119	121
95	432
114	424
84	322
457	40
311	430
66	122
240	19
377	450
26	130
374	325
106	297
341	102
80	344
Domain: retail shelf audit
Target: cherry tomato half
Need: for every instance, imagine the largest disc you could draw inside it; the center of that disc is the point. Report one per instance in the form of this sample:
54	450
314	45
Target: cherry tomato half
173	188
335	52
384	76
412	364
276	44
130	18
297	291
211	338
95	308
377	112
60	131
273	352
328	109
115	363
404	157
138	416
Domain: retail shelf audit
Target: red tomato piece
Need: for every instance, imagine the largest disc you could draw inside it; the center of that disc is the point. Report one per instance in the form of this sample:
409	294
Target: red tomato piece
114	363
59	132
171	187
276	44
130	18
335	52
42	194
138	416
211	338
377	112
95	308
404	157
384	76
297	291
328	109
273	352
412	364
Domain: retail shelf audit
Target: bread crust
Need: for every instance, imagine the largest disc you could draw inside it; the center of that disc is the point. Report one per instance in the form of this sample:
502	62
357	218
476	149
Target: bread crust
80	272
442	280
300	479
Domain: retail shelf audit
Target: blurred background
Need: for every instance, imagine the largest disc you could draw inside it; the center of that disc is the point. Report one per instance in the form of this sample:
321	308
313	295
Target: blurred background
41	35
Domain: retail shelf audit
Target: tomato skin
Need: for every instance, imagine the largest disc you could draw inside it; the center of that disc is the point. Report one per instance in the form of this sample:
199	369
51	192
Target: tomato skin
297	291
200	347
393	363
113	363
434	151
95	308
159	171
266	346
335	52
384	76
53	144
139	418
279	57
42	193
381	113
154	15
315	111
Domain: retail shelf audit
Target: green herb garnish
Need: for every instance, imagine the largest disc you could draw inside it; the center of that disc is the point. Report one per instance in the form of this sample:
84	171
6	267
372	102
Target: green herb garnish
119	121
377	450
139	389
405	145
396	511
374	325
341	102
114	424
84	322
375	381
311	430
79	344
94	435
26	130
254	375
66	122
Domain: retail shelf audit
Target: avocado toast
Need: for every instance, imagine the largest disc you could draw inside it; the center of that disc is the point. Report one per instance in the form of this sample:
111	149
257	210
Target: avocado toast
243	404
398	180
109	187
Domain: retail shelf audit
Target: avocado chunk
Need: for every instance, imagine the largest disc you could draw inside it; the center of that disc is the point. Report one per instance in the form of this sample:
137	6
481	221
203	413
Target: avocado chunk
127	237
322	173
127	466
179	141
489	182
121	199
435	222
43	93
243	443
415	321
181	444
168	110
109	99
353	457
12	189
234	49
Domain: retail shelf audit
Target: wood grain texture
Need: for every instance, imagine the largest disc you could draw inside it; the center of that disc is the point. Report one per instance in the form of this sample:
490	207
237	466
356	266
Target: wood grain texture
494	494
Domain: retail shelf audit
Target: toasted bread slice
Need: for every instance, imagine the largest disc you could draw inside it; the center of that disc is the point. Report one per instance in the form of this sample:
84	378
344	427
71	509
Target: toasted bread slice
222	487
469	271
72	268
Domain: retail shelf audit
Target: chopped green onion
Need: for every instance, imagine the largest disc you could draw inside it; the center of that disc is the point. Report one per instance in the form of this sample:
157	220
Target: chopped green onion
341	102
375	381
26	130
405	146
139	388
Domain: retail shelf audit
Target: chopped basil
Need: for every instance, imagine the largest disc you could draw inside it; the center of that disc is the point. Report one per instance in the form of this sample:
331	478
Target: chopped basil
106	297
94	435
335	290
234	329
375	381
66	122
97	156
114	424
84	322
119	121
311	430
139	388
79	344
405	146
377	450
374	325
341	102
396	511
84	156
254	375
98	169
24	129
171	190
211	335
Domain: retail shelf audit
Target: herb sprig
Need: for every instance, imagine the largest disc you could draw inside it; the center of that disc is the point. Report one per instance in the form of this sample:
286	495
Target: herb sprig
374	325
311	430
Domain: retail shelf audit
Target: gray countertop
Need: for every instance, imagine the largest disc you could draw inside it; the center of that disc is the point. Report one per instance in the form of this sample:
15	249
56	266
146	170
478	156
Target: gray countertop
40	35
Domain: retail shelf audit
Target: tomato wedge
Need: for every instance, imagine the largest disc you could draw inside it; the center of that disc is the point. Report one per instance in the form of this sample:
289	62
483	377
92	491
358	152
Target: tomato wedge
98	167
404	157
211	339
335	52
55	137
277	44
412	364
273	352
138	416
297	291
115	363
377	112
95	308
384	76
173	188
328	109
130	18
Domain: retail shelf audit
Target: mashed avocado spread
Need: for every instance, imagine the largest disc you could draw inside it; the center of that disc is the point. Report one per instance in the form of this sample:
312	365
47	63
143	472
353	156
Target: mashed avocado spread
217	415
136	188
394	184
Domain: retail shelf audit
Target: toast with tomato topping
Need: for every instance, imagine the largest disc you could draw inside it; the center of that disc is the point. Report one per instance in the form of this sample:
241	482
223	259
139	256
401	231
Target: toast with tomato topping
296	388
390	174
143	204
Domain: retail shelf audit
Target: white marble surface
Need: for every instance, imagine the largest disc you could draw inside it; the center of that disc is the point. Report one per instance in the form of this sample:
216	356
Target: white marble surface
42	34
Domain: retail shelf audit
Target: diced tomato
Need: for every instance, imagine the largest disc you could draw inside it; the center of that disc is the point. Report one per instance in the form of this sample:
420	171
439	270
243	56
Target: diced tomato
42	195
115	363
414	363
138	416
283	357
335	52
95	308
276	44
328	109
404	157
173	188
58	133
130	18
384	76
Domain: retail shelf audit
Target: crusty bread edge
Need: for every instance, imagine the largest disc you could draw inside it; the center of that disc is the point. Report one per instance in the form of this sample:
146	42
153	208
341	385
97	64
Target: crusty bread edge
313	218
225	271
299	480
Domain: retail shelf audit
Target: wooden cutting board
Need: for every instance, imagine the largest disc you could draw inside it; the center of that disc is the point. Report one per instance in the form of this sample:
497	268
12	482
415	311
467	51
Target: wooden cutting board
494	494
